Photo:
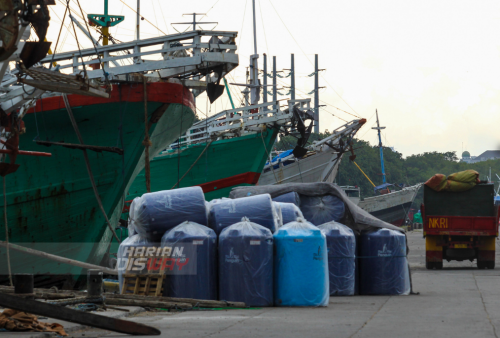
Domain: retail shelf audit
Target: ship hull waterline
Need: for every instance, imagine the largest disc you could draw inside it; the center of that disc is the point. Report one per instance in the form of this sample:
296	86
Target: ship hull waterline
50	202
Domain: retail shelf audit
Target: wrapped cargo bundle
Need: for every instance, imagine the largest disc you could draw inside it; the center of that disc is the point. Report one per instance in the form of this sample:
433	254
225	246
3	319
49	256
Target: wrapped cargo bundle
194	272
135	255
131	226
246	264
341	244
289	212
461	181
157	212
258	209
322	209
383	266
291	197
300	266
277	208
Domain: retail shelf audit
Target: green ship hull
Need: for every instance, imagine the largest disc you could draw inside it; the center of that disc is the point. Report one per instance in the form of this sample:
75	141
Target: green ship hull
224	164
50	202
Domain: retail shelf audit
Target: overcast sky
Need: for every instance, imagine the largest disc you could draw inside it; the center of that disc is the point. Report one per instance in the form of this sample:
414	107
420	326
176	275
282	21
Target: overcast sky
431	68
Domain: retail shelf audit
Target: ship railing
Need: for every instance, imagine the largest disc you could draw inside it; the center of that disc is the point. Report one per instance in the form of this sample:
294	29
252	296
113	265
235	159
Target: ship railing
235	122
194	53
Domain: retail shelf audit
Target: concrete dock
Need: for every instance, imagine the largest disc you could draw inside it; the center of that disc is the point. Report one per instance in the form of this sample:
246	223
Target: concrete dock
458	301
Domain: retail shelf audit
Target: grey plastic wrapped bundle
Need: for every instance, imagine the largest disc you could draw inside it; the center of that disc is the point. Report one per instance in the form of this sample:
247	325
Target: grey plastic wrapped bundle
291	197
131	225
289	212
246	264
277	208
136	255
258	209
341	244
194	247
155	213
322	209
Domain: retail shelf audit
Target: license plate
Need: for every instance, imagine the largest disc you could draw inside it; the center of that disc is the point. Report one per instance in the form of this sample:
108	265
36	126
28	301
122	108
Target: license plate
460	246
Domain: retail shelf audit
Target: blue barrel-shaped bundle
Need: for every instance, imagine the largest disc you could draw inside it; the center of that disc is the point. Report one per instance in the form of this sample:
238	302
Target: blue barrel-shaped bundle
246	264
300	265
322	209
341	245
290	197
383	263
136	255
193	269
258	209
157	212
289	212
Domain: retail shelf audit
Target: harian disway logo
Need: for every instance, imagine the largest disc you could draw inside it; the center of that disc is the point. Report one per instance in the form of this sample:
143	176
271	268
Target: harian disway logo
232	258
318	256
385	252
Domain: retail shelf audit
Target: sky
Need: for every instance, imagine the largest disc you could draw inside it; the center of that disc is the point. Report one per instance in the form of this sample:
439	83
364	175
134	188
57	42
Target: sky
430	68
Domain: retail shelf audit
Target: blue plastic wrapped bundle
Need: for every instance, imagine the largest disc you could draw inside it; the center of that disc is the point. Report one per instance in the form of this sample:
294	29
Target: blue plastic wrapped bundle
300	265
136	255
291	197
341	244
383	266
289	212
258	209
194	272
322	209
246	264
157	212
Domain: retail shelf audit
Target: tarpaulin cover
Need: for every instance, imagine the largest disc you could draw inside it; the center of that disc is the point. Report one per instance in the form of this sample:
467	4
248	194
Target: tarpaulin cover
290	197
358	219
300	265
157	212
383	263
461	181
322	209
194	245
258	209
126	250
341	244
289	212
246	264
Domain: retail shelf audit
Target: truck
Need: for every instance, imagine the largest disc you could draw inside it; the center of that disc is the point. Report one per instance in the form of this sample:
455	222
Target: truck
460	226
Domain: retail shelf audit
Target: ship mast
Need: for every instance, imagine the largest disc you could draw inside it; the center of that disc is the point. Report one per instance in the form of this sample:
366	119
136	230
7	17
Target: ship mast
254	66
379	128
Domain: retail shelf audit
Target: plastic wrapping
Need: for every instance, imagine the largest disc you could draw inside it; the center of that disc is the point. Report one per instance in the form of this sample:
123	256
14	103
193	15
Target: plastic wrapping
131	225
300	265
194	273
131	260
341	244
157	212
258	209
383	266
246	264
322	209
277	208
291	197
289	212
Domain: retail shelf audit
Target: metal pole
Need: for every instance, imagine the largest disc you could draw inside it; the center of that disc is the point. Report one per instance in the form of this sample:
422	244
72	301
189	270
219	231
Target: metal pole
275	88
316	94
292	86
254	29
264	97
138	20
378	128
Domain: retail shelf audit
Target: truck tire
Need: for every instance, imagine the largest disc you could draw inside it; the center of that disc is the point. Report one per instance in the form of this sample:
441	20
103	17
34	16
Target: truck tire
482	264
429	265
438	265
490	265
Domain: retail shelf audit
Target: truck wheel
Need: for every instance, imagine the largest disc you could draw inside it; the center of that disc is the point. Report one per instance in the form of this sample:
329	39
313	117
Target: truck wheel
438	265
482	264
429	265
490	264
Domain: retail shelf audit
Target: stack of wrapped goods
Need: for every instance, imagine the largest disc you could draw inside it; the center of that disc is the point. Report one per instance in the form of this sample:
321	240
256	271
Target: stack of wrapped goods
194	248
341	245
289	212
300	266
246	264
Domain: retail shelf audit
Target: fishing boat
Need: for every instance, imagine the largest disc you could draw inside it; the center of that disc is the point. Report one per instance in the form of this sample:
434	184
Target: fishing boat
68	204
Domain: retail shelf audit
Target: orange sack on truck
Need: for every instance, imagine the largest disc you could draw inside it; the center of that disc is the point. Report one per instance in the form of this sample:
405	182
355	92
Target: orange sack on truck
461	181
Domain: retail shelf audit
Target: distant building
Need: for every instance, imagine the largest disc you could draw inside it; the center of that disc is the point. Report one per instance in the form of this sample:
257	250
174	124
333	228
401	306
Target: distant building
487	155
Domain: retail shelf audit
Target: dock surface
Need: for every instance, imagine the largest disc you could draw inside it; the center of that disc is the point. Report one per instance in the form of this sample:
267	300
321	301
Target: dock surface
458	301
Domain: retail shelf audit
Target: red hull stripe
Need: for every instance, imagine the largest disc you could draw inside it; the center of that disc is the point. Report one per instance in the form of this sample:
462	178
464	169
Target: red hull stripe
245	178
163	92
